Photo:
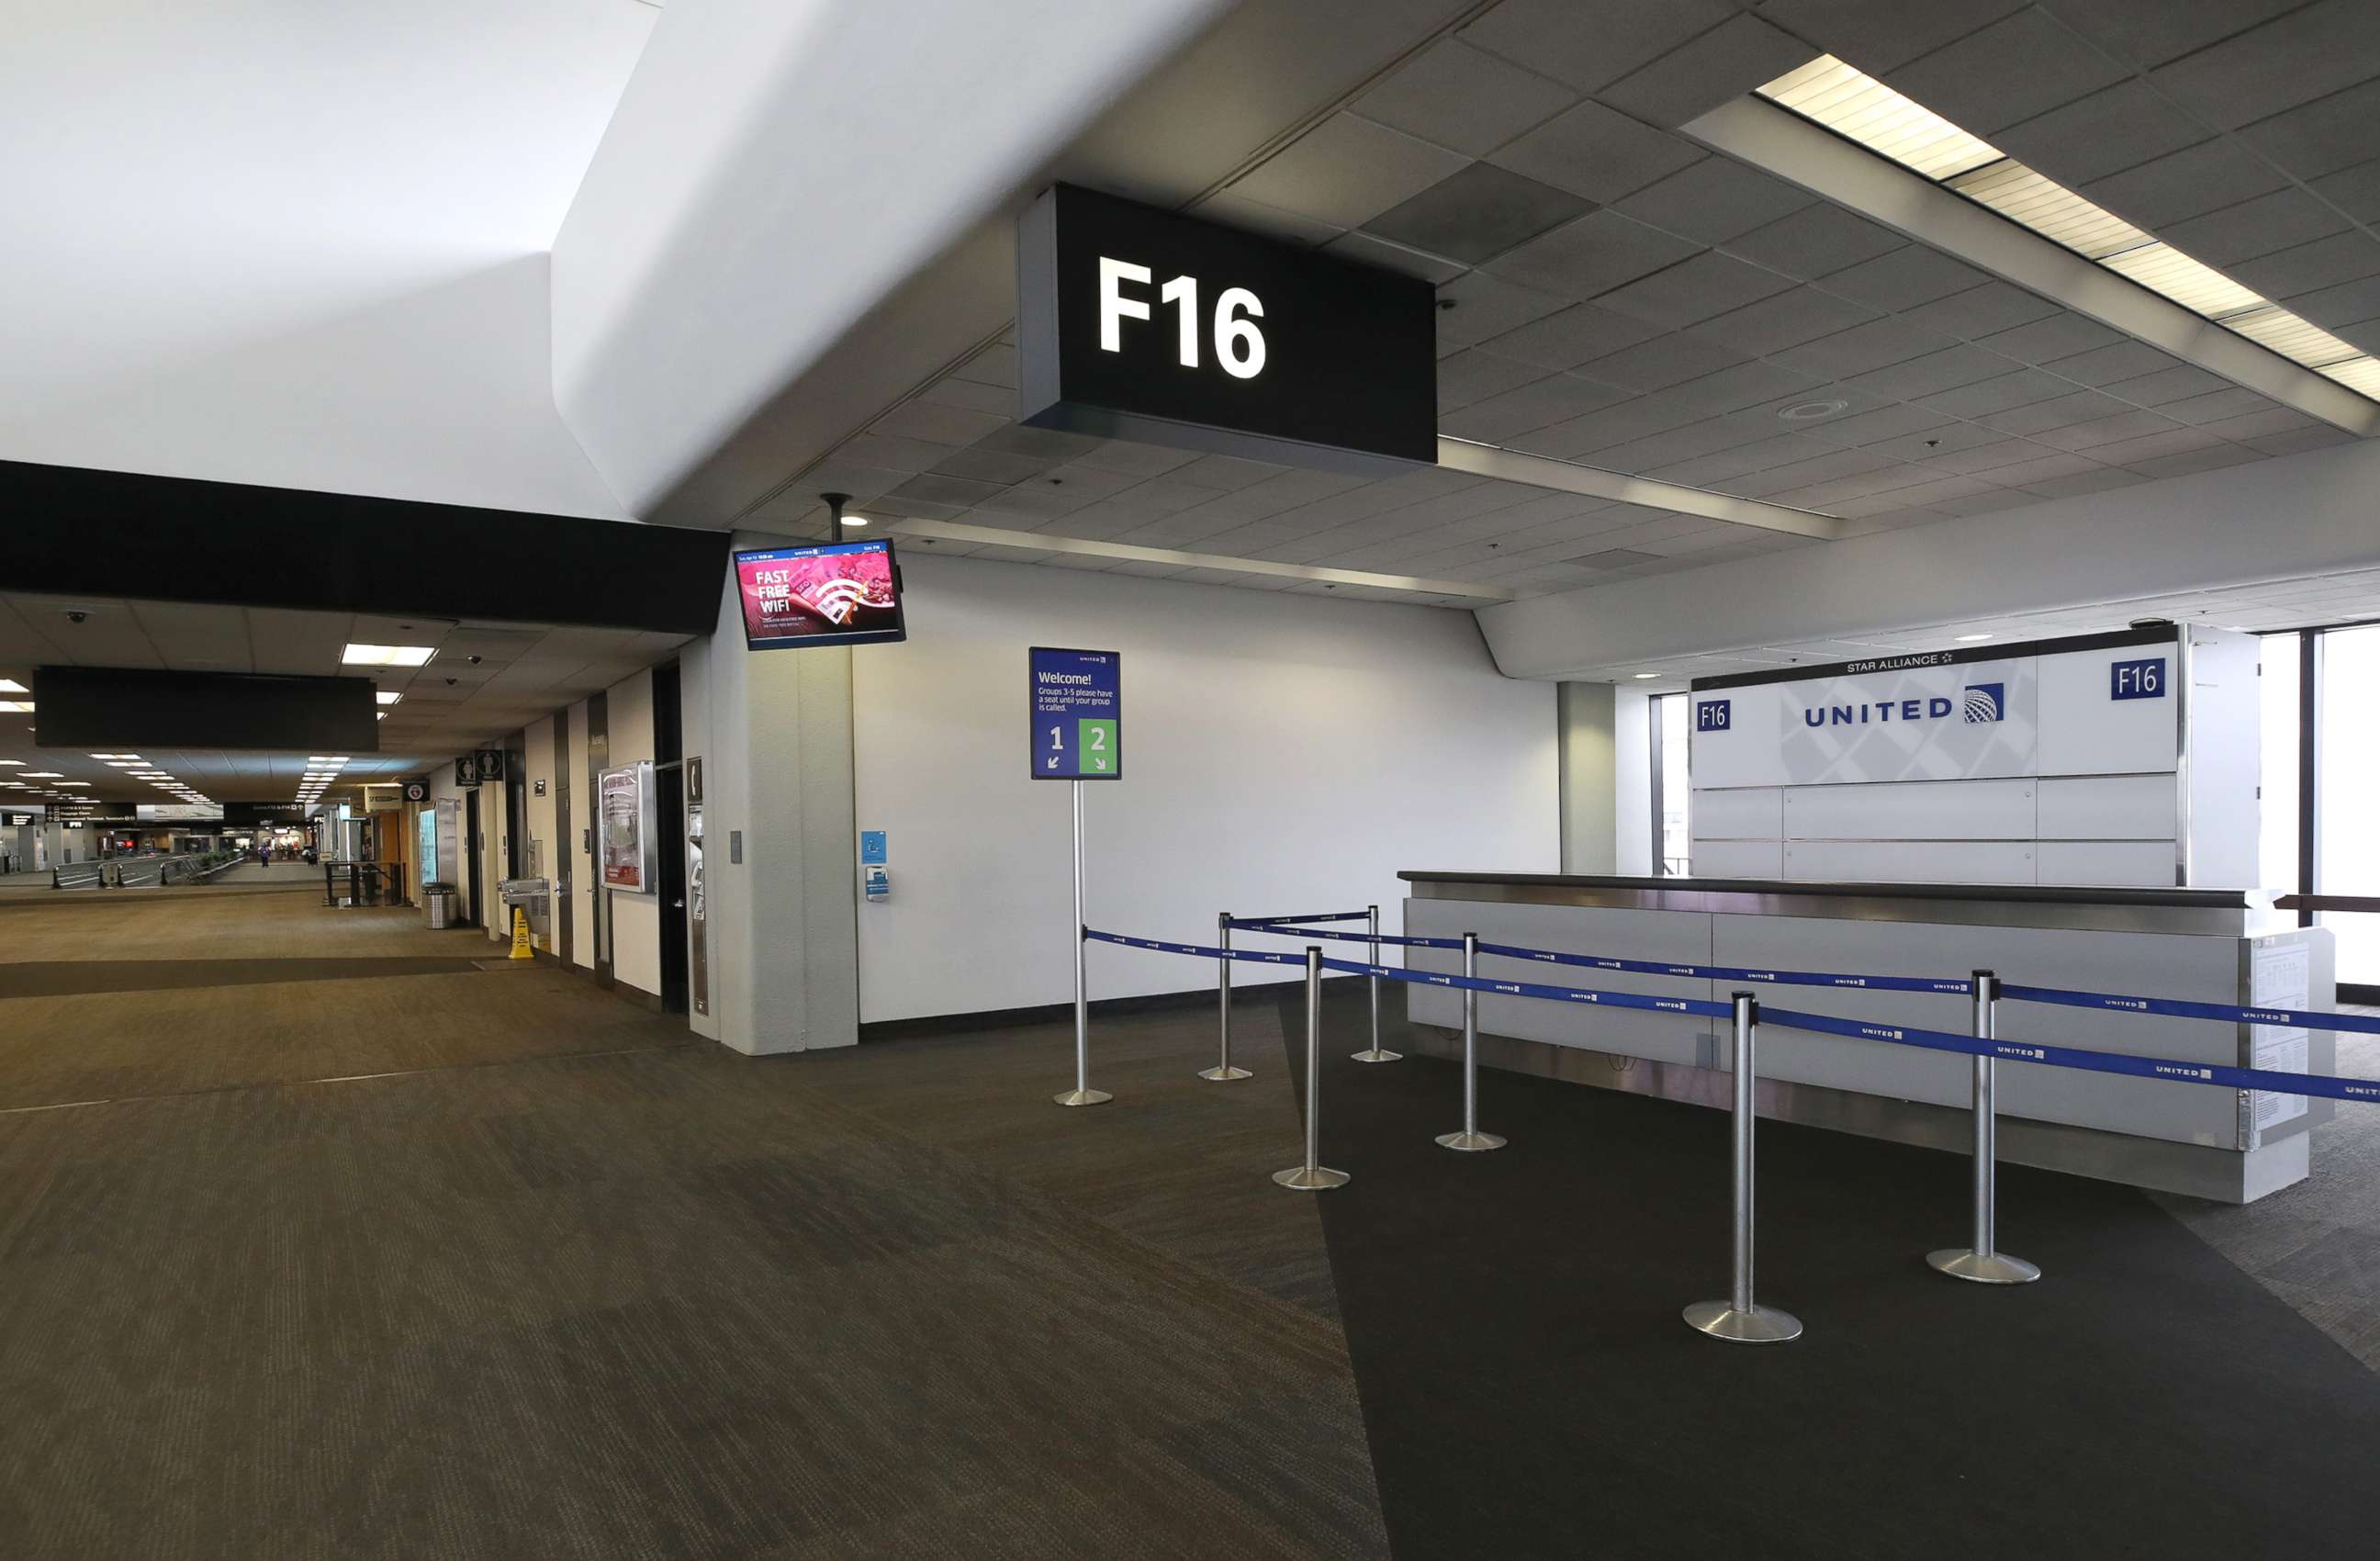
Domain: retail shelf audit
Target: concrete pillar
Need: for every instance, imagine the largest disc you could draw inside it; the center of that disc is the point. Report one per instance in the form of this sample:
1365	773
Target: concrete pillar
1588	778
54	840
783	921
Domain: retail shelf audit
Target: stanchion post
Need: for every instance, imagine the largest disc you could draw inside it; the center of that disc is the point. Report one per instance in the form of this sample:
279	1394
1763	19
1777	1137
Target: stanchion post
1984	1262
1470	1139
1082	1094
1738	1319
1313	1176
1373	1052
1222	1071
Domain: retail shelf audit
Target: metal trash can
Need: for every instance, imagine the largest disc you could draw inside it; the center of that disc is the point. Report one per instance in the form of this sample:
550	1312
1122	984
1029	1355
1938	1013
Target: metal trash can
438	905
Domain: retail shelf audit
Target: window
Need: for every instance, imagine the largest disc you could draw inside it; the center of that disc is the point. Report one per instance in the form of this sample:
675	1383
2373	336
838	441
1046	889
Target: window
1672	843
2276	790
2347	826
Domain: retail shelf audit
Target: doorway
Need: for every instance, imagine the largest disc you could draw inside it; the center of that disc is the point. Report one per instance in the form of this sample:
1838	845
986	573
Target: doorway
471	850
668	821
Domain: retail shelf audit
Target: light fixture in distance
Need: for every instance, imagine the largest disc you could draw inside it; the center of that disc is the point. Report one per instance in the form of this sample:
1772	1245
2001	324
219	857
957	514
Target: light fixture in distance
388	655
1971	639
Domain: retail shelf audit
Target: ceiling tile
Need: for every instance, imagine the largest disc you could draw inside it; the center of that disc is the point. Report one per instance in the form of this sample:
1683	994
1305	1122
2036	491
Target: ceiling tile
2341	308
1714	201
1960	364
1477	305
1747	384
1999	394
1663	361
1911	276
2059	412
1622	424
1364	250
2324	263
2119	127
2060	335
2181	185
992	466
2004	74
2215	406
1730	60
2190	461
2170	441
1591	256
938	422
1695	289
1475	375
1597	152
1550	35
2103	365
1347	170
1254	216
2282	220
2106	430
1863	348
1980	312
1463	98
1552	399
2150	32
1873	428
2355	191
1814	242
2180	382
1877	35
2321	136
2244	426
1785	319
2290	60
1569	337
1478	212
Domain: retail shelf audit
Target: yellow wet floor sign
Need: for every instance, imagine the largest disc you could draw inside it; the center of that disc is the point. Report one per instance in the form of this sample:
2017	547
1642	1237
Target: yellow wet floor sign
521	950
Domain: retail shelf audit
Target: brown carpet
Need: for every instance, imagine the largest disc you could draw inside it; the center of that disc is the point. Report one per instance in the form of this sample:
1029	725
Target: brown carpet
660	1302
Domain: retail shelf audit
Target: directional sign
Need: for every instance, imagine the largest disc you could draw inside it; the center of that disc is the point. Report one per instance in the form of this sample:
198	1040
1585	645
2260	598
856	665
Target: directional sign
1076	703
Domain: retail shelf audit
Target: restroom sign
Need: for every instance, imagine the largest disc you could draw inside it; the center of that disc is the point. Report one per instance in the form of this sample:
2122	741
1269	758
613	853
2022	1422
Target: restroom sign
1074	699
1139	324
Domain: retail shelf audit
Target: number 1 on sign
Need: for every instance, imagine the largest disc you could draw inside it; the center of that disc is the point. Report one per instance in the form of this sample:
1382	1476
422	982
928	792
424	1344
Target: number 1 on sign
1057	742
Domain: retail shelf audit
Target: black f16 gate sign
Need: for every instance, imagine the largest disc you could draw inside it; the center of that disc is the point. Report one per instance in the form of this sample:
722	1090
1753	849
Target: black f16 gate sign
1137	323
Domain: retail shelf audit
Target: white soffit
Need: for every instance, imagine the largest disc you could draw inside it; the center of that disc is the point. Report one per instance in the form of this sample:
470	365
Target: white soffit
1569	477
1794	149
1131	552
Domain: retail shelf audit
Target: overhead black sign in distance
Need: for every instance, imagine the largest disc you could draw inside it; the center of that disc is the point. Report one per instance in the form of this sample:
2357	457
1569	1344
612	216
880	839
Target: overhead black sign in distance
1137	323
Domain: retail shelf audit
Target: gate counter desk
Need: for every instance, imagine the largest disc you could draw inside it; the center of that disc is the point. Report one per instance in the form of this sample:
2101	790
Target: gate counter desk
2221	945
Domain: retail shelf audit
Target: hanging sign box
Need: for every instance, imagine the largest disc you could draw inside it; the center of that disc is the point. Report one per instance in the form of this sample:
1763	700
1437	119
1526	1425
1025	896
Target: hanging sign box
1143	324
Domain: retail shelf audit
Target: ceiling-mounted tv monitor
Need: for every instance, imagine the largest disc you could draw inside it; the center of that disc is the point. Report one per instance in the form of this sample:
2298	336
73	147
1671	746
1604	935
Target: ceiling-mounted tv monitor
836	593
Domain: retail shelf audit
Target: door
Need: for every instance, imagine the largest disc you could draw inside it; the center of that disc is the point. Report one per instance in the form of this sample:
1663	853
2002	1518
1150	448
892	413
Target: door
472	849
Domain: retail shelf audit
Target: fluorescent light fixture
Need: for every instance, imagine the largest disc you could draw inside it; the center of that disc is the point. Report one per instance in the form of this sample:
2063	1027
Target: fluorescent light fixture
44	775
2161	268
1971	639
21	707
326	758
388	655
65	783
855	520
1864	110
1648	675
123	763
115	755
388	695
19	763
1858	106
10	686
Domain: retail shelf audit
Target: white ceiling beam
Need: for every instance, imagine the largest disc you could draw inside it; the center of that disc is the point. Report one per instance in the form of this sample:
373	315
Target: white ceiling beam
1568	476
1791	147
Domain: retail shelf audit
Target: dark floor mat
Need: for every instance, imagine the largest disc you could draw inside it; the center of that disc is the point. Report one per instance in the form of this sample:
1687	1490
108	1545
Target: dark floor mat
58	978
1530	1391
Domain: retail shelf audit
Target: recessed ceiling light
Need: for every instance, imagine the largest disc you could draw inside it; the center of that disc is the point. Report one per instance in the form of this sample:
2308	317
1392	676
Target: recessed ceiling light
1643	675
388	695
10	686
1969	639
1811	411
855	520
388	655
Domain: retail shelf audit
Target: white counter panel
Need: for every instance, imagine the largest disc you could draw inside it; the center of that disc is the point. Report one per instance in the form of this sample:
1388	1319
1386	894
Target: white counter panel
1918	810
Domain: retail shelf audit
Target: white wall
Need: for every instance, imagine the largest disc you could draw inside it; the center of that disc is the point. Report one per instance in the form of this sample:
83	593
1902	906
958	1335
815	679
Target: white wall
537	769
1283	753
636	918
1588	774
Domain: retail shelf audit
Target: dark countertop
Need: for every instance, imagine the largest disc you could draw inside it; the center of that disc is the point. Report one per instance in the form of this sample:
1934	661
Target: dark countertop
2186	899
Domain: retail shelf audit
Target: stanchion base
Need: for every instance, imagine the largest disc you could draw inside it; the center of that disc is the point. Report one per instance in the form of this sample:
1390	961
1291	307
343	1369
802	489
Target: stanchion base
1373	1054
1083	1098
1314	1180
1219	1073
1762	1325
1470	1141
1995	1268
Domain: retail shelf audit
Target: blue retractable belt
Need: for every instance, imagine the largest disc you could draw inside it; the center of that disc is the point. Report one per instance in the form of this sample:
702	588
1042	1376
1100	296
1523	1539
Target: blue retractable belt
2174	1008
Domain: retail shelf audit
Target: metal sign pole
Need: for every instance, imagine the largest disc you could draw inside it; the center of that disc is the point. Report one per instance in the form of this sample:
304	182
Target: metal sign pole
1982	1261
1223	1069
1313	1176
1738	1319
1373	1053
1082	1094
1470	1138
